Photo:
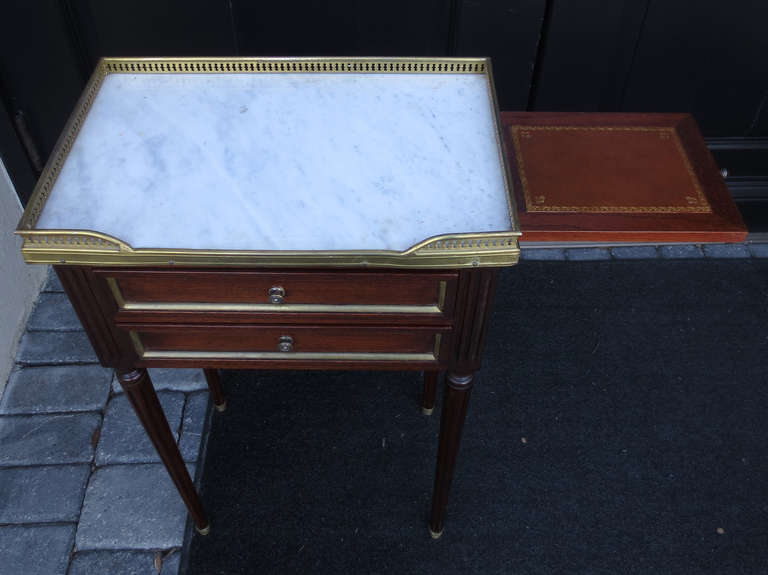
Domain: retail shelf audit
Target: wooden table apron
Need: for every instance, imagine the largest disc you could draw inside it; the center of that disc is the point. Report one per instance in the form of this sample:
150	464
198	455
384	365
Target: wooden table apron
131	337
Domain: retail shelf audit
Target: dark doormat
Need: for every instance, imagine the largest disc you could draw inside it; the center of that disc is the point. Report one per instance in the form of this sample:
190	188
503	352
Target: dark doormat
619	425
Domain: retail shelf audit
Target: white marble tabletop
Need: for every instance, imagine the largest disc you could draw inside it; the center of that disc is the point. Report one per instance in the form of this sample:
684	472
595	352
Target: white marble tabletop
283	162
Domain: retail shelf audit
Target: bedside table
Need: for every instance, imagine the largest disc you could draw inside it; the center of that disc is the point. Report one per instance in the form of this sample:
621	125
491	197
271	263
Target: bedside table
300	213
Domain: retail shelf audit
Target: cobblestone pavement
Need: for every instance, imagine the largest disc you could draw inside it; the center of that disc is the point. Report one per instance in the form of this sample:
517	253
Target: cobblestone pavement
82	490
648	252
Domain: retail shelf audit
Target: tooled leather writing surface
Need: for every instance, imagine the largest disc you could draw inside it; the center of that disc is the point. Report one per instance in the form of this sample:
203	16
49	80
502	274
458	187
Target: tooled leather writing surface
616	178
607	169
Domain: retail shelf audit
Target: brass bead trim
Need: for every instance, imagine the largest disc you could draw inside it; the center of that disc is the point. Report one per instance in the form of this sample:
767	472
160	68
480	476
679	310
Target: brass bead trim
436	351
137	345
61	151
446	251
283	308
255	355
272	308
116	293
441	290
300	355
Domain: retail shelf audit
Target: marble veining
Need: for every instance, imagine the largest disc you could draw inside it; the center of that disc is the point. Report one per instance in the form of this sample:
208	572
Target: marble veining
283	162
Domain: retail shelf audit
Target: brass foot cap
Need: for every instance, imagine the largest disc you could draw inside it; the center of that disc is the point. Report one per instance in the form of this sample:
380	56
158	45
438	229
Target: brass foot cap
206	530
435	535
427	410
221	406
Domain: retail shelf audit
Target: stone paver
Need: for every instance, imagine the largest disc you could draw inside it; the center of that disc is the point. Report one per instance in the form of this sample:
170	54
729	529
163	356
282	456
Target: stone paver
172	564
683	251
52	284
56	389
124	563
542	254
195	412
53	348
123	439
635	252
53	312
122	516
587	254
726	251
131	507
35	549
42	494
47	439
173	379
758	250
679	251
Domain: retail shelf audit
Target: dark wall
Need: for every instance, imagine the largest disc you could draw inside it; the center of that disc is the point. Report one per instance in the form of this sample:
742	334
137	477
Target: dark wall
705	57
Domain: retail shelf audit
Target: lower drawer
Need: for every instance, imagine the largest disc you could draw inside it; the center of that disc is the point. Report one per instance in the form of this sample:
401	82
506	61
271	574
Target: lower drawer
288	342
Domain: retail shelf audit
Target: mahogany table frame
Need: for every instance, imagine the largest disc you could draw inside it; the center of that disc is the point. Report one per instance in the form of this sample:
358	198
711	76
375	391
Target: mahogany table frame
425	308
462	335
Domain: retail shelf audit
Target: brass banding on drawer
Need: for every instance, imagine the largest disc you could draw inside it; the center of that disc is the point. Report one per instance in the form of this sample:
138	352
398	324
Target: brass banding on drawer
332	344
280	302
341	356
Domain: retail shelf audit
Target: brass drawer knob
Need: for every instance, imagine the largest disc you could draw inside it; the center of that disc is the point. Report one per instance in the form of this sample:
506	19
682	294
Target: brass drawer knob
285	343
276	294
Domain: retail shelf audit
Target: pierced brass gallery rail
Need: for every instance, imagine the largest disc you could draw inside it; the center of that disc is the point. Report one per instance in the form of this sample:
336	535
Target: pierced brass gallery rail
86	247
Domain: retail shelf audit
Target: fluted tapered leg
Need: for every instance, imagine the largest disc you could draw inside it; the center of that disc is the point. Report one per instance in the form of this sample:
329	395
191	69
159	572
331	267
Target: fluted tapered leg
141	393
455	403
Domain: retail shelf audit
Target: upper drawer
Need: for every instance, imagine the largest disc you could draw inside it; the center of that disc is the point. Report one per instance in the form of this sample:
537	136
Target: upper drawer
276	292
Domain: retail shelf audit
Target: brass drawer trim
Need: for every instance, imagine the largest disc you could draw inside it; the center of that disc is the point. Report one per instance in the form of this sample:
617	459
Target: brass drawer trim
278	308
288	356
329	356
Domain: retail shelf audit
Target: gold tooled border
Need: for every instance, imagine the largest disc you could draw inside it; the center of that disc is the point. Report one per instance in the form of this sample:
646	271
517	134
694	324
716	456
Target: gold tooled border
87	247
701	205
